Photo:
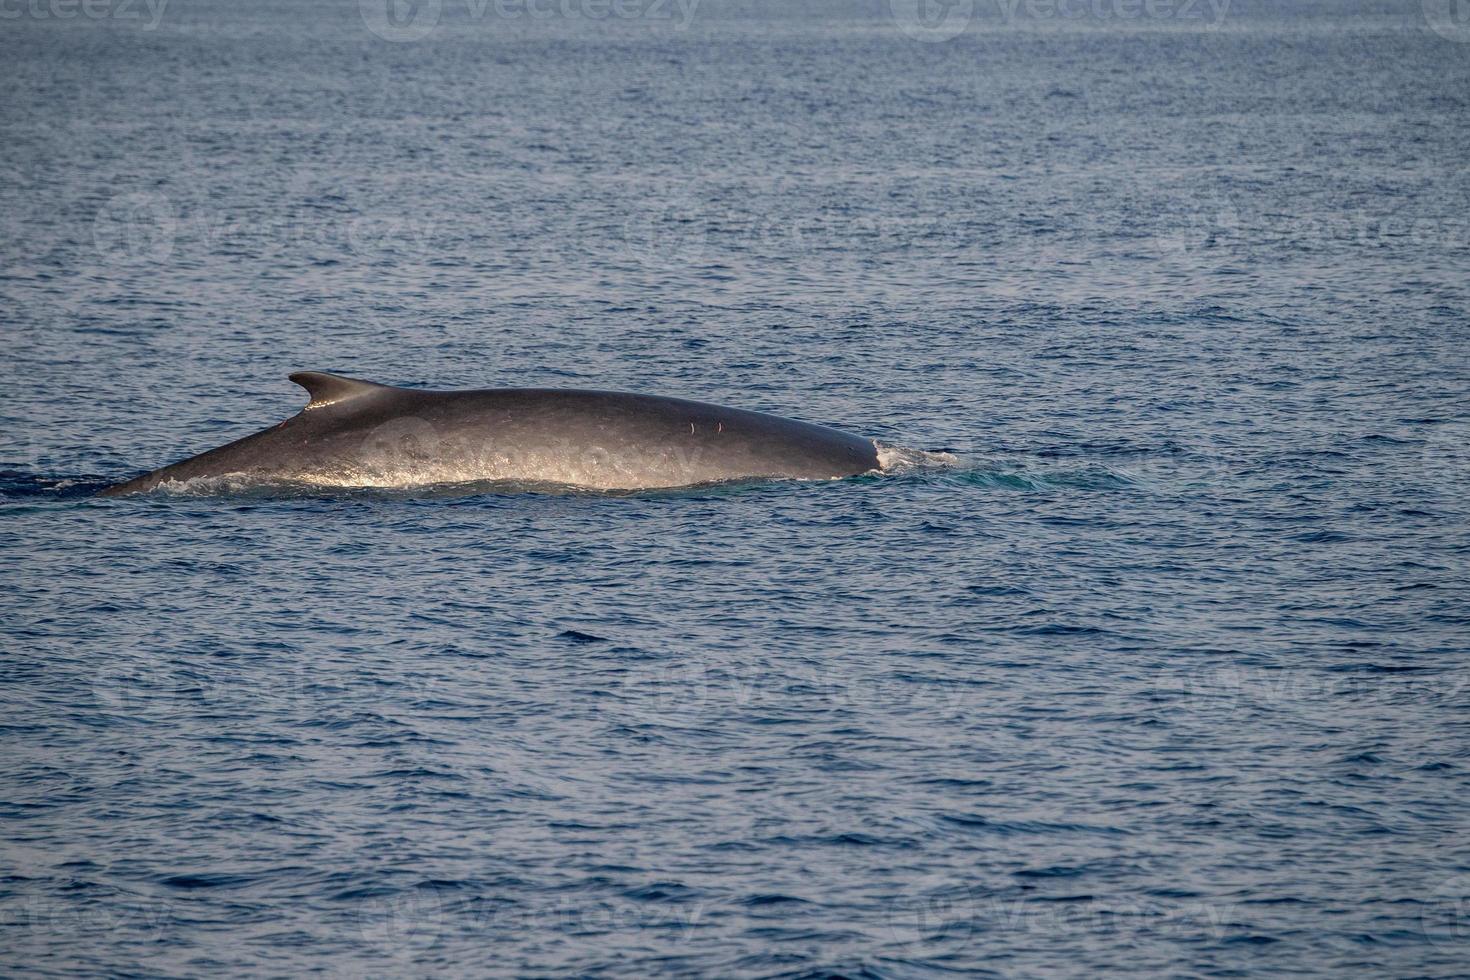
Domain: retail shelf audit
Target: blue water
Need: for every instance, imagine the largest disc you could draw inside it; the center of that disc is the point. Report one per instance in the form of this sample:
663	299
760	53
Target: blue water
1167	675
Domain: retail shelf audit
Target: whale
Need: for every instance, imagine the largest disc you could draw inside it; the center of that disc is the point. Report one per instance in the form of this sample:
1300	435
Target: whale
360	434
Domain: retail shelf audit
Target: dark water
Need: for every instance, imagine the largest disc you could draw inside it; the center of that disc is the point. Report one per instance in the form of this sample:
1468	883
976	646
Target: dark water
1168	675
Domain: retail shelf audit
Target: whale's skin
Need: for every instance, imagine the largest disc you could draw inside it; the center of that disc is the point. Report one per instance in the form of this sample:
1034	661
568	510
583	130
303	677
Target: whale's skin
359	434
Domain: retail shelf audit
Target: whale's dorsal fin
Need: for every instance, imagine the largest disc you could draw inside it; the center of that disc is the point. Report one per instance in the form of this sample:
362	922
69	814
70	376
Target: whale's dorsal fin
329	389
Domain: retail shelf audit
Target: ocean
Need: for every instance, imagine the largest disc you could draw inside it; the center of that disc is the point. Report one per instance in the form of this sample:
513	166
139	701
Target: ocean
1166	674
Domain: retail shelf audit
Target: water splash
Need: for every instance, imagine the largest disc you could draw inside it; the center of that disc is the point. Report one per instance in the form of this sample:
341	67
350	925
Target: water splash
902	459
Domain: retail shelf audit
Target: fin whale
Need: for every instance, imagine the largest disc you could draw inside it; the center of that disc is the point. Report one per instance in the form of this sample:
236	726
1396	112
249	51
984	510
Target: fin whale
356	433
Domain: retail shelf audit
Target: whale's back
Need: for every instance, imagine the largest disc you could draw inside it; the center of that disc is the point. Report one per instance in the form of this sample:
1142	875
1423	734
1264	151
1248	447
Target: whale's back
359	434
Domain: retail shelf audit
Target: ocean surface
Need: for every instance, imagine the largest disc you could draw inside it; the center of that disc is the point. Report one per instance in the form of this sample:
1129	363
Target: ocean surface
1168	674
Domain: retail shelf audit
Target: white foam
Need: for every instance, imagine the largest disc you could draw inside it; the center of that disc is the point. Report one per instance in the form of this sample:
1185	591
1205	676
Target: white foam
902	459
